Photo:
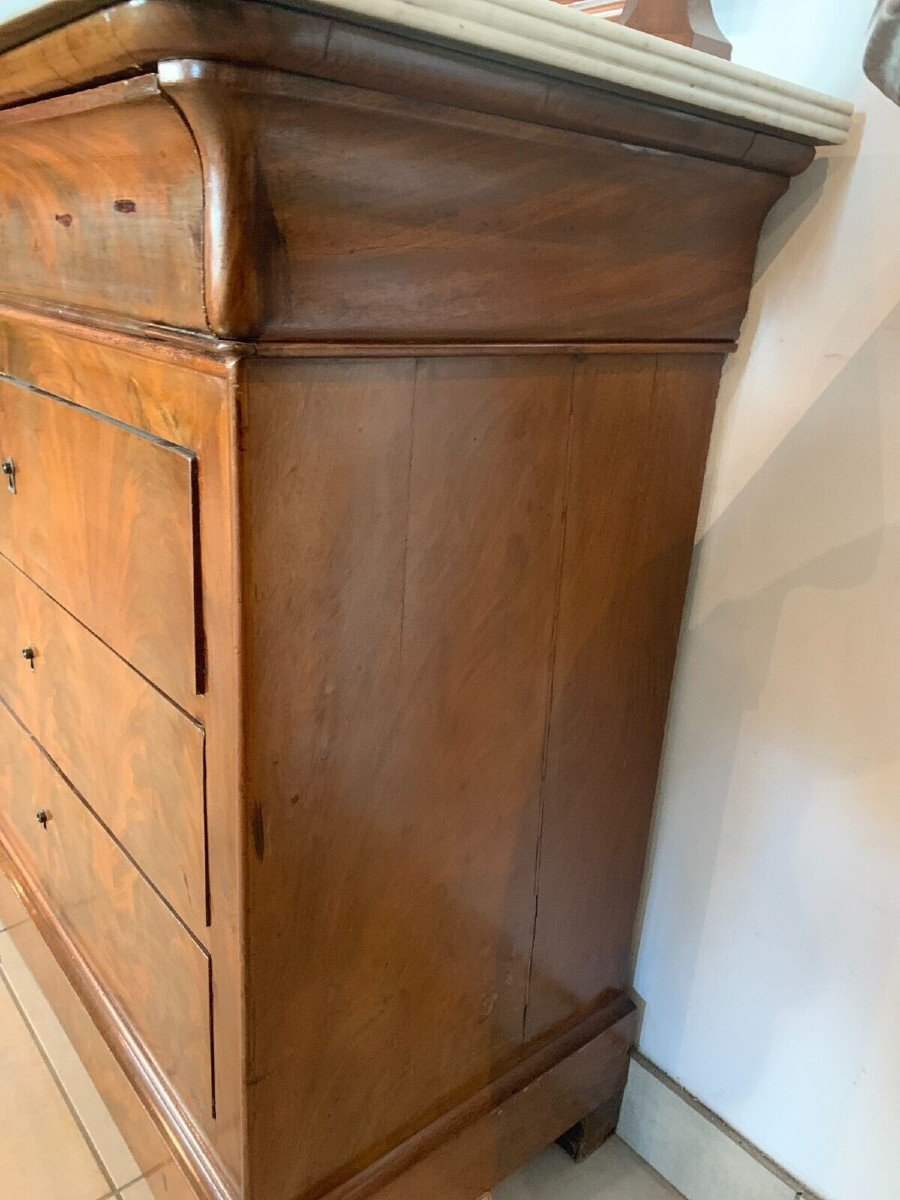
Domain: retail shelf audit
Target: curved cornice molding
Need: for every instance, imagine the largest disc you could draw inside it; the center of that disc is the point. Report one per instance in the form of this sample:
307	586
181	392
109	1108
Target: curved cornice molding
545	38
542	34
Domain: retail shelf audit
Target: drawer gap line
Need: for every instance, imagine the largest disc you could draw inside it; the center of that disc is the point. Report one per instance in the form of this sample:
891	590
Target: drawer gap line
154	439
195	721
137	866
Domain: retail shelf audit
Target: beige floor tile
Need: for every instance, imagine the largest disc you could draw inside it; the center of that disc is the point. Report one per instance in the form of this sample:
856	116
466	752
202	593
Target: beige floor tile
70	1071
11	910
168	1184
138	1191
614	1173
43	1155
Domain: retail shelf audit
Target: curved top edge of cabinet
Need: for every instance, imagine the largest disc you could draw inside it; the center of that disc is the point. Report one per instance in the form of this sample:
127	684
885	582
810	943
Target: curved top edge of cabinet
285	207
345	212
324	180
548	40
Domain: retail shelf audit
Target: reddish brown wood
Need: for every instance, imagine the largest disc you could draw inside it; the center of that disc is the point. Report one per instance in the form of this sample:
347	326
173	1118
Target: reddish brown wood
593	1130
79	699
390	372
41	18
132	1119
105	519
192	1153
131	38
549	243
469	563
174	394
642	432
408	522
688	22
12	906
414	221
149	963
506	1124
65	164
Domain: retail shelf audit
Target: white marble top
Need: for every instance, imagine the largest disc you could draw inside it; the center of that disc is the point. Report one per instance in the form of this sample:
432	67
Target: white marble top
581	44
547	35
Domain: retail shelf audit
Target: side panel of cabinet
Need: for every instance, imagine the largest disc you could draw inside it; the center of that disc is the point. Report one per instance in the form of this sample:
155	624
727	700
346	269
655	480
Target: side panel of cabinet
640	440
464	580
402	525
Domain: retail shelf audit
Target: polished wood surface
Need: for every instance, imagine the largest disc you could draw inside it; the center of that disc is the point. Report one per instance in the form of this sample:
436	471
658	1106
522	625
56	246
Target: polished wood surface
79	699
407	522
508	1122
378	243
129	1114
642	428
105	518
152	967
189	399
547	245
358	394
101	204
463	568
128	39
38	20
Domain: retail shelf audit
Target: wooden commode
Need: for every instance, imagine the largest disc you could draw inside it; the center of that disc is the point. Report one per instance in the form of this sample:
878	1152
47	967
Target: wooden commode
357	373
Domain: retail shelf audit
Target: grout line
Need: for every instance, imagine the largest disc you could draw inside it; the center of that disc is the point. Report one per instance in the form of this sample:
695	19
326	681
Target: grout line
123	1187
112	1195
15	924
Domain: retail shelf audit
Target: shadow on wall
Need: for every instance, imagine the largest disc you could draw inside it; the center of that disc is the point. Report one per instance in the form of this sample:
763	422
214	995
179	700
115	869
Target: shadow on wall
812	519
806	192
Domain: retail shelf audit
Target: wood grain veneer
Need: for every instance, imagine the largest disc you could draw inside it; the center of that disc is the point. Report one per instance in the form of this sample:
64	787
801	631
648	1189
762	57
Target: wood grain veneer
151	966
100	191
134	580
154	1160
360	226
79	697
359	394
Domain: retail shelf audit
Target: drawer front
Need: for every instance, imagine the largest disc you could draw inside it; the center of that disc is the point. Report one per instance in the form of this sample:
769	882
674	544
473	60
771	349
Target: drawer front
101	205
105	519
146	960
136	759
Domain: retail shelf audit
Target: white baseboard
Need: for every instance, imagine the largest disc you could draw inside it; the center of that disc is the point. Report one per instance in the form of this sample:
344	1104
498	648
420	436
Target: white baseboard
693	1150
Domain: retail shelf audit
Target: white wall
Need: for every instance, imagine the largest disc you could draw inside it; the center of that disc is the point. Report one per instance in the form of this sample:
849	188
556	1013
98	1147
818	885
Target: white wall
15	8
769	957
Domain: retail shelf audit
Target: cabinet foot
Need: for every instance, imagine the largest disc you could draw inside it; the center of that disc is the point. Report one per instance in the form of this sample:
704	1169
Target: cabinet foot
590	1133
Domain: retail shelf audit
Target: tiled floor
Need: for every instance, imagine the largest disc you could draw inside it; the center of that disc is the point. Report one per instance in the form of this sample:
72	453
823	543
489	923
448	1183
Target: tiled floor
58	1142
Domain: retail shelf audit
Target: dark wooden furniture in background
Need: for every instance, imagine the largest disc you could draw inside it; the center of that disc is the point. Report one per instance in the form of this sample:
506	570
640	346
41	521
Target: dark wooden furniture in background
687	22
355	399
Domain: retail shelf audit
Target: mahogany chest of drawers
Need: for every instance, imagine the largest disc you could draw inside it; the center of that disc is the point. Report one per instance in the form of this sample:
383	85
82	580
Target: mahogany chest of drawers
355	396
